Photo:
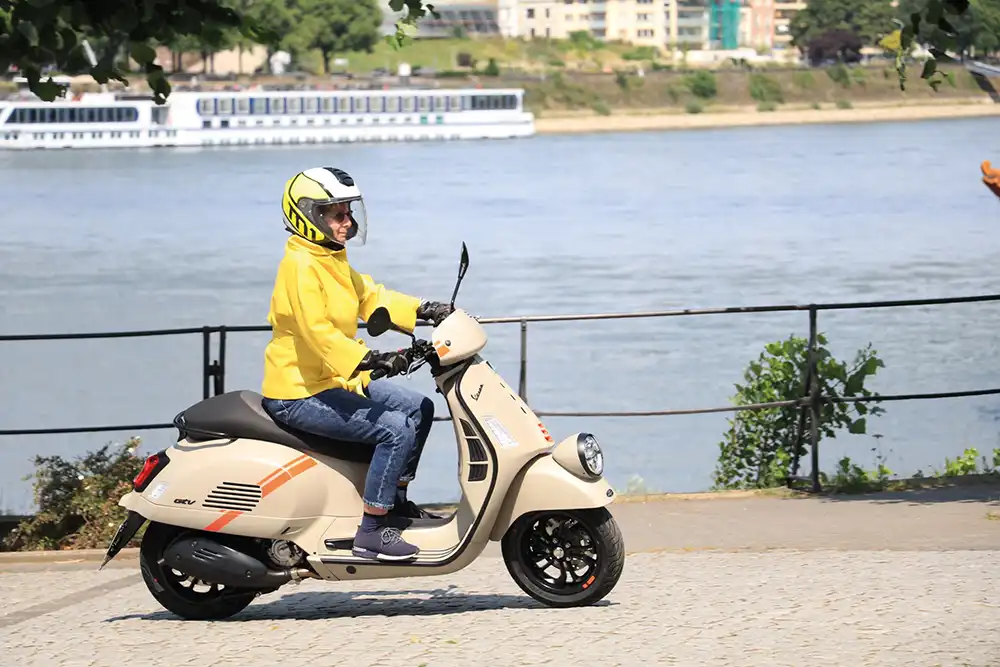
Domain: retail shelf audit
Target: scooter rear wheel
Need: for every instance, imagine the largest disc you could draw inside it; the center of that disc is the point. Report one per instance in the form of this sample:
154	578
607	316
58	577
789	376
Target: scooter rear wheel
178	592
584	548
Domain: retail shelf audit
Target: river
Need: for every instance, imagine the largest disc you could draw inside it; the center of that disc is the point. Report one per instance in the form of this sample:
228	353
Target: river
107	240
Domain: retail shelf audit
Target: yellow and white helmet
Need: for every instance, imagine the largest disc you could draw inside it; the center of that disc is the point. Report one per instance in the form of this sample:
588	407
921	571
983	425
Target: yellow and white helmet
309	192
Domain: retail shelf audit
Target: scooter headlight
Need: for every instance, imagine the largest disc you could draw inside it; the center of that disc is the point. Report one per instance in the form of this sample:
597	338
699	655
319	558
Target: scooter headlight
591	456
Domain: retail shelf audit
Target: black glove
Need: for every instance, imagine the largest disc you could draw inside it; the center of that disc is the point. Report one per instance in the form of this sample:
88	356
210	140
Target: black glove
433	311
389	363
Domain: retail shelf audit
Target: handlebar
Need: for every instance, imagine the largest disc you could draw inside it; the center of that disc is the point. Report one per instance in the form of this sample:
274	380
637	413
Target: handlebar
420	349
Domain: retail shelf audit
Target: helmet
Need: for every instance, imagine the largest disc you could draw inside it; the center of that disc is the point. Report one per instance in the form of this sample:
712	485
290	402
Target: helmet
309	192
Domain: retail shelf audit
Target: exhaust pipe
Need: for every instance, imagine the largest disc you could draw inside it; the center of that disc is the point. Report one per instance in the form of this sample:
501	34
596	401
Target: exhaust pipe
214	563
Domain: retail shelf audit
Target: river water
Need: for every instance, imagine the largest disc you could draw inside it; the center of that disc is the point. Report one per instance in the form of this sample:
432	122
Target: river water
106	240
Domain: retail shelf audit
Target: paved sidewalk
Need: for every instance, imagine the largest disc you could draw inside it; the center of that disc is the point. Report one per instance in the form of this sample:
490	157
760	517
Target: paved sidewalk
910	579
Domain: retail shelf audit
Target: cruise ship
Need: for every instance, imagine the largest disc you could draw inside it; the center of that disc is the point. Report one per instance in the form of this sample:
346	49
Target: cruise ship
263	117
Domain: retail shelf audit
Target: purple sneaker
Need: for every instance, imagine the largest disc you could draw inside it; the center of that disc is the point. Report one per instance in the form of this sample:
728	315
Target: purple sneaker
383	543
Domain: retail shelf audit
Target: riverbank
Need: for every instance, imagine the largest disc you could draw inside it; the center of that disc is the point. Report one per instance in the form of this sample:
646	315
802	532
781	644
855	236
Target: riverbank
672	119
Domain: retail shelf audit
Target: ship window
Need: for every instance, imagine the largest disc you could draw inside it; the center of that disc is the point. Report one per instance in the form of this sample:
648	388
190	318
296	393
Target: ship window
206	106
454	103
225	105
277	105
392	104
294	105
242	105
360	105
425	103
440	103
258	105
328	105
309	105
407	104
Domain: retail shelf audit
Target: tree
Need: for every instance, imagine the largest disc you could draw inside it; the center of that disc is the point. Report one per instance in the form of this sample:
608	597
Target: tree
868	19
338	25
39	34
836	44
762	448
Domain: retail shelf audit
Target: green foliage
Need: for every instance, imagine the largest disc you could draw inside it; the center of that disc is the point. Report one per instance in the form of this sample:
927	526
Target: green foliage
962	465
852	478
762	446
701	84
640	53
693	107
804	80
333	26
764	88
767	106
839	74
869	19
844	104
78	500
491	69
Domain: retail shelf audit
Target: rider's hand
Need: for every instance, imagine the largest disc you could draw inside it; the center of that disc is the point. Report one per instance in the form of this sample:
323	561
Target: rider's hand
433	311
393	363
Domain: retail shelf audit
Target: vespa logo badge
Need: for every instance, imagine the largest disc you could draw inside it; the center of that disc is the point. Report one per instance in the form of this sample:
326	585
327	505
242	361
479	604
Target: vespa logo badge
479	392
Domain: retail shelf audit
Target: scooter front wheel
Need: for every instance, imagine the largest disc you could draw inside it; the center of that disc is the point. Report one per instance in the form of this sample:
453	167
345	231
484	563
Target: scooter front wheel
566	558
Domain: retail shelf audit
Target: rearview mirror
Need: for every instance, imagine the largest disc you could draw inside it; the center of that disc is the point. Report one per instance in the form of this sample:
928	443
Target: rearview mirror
379	322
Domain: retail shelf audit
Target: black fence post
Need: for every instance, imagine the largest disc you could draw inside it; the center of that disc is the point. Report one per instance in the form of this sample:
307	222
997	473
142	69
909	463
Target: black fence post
814	398
206	356
522	382
220	365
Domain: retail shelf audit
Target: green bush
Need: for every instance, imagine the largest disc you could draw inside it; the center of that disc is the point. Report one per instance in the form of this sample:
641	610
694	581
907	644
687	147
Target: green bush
78	500
491	69
804	80
839	74
767	106
693	107
764	88
761	446
640	53
701	84
844	104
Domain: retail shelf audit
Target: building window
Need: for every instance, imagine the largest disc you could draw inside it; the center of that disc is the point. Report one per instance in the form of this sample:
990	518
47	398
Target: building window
529	13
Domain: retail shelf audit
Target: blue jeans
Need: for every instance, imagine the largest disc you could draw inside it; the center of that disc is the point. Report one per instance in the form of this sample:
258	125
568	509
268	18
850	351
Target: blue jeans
393	419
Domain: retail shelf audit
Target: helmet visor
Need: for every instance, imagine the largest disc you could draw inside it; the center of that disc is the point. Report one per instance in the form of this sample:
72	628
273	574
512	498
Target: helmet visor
341	220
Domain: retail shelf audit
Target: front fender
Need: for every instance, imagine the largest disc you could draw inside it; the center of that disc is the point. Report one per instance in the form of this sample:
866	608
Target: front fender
543	484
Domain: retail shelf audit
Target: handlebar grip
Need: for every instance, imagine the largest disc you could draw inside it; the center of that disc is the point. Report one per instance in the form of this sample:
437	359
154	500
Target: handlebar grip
378	373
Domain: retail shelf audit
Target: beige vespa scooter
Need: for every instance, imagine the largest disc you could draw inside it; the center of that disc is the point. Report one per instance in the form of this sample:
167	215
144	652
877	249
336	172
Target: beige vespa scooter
240	506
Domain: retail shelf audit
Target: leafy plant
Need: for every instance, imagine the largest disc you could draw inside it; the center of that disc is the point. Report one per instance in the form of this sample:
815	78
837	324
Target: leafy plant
701	84
763	446
78	500
764	88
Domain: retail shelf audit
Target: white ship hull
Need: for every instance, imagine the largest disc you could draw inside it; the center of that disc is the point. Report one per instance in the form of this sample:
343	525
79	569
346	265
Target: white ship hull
264	118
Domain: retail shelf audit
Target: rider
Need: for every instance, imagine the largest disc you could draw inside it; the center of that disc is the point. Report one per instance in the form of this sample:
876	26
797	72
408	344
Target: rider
317	375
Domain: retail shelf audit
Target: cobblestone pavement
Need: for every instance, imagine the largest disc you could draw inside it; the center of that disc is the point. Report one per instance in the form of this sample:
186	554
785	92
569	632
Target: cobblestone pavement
910	580
705	608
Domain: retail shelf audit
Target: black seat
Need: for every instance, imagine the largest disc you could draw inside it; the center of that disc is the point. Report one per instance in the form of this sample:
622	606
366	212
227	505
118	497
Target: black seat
239	414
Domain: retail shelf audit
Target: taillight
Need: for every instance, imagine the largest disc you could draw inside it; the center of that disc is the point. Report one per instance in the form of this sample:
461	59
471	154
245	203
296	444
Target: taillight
153	465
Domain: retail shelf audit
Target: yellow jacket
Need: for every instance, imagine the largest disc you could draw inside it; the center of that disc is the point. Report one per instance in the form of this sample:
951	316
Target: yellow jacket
314	314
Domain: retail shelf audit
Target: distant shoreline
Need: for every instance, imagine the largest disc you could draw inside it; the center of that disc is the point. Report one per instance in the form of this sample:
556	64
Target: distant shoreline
678	120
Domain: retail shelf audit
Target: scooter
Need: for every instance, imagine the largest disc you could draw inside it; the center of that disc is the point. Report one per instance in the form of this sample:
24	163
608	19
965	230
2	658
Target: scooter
241	505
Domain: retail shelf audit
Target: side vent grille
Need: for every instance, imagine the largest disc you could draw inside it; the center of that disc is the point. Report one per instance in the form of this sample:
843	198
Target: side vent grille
233	496
477	453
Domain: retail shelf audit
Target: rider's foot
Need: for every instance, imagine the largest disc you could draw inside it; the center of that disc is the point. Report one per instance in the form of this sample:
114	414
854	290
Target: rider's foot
378	539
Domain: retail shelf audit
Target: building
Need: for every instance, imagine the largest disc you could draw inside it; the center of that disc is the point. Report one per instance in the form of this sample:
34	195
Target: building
664	24
469	17
784	11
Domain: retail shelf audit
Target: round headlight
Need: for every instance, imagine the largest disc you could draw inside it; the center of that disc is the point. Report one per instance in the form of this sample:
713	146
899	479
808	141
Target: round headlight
591	456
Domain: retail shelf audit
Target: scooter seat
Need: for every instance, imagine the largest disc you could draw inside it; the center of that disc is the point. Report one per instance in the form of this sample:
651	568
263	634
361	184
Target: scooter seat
239	414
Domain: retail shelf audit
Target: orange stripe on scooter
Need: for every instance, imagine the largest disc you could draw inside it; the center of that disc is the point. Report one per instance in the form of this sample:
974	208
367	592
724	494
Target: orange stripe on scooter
292	469
223	520
282	470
